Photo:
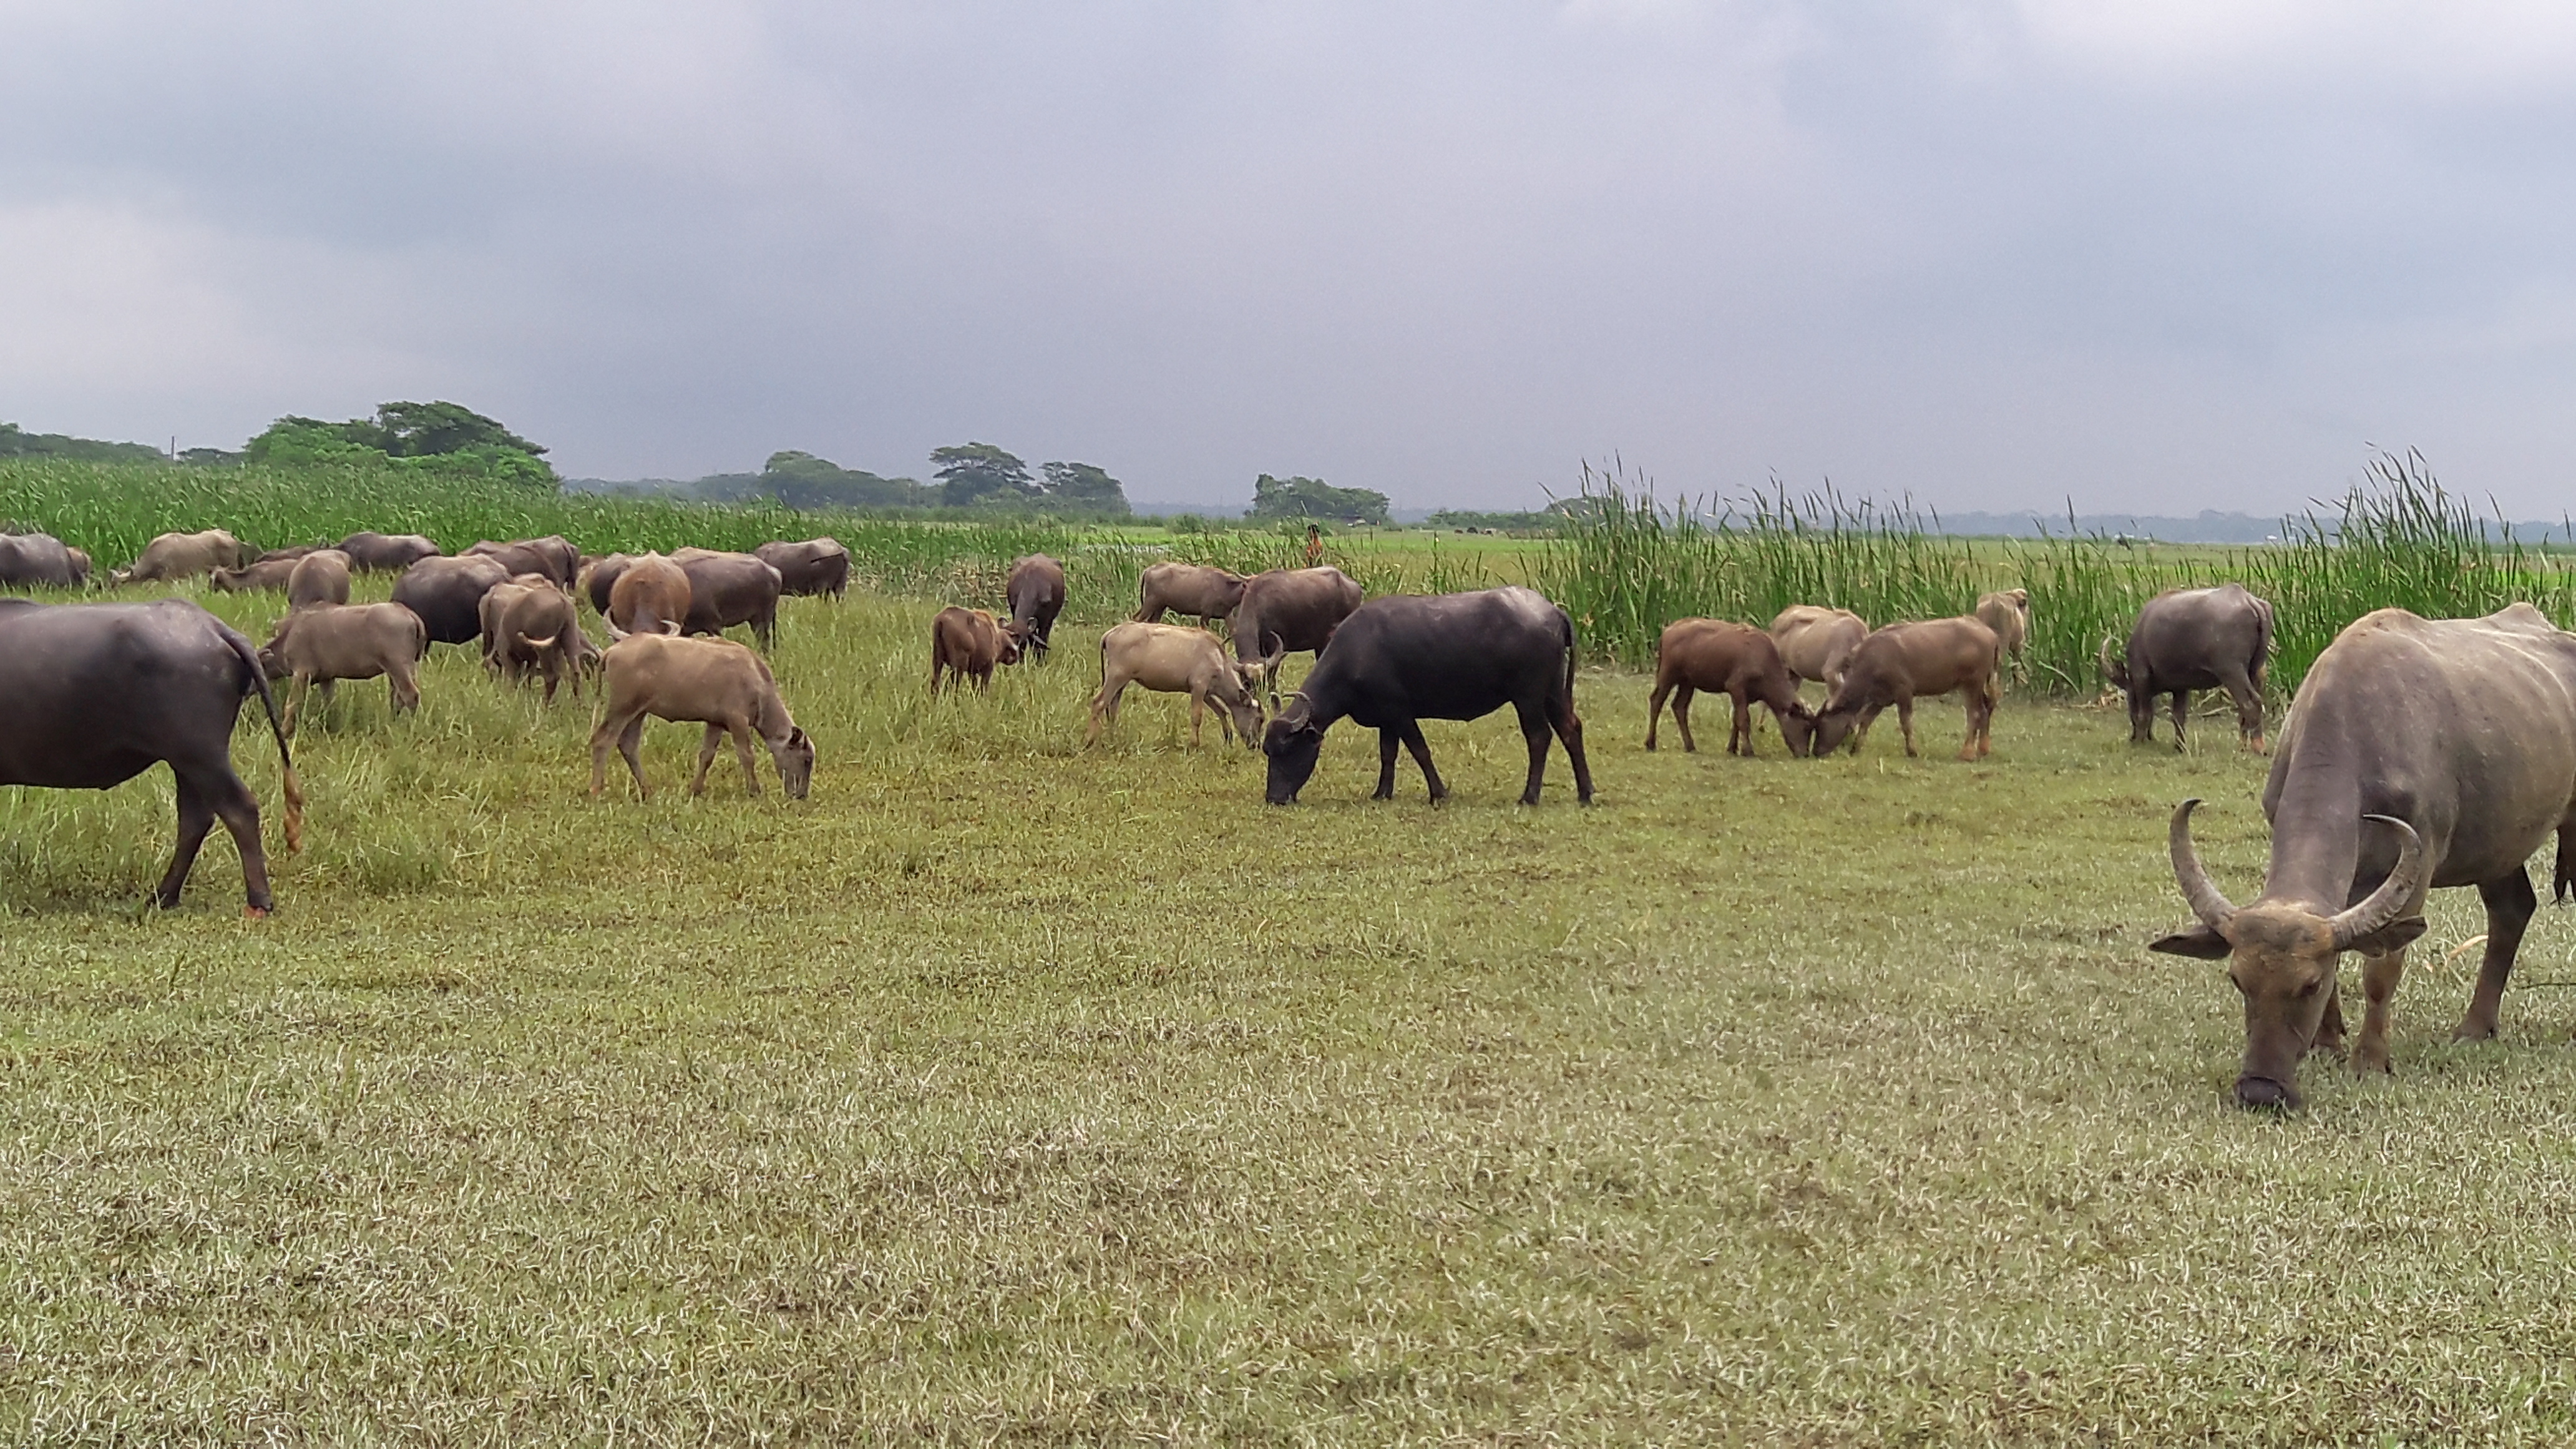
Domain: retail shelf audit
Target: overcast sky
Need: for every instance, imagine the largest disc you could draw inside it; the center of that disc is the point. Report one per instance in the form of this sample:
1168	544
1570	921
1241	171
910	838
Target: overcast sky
2153	255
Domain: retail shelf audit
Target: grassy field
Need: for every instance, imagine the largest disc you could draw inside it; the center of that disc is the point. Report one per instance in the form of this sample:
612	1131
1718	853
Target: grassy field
1005	1090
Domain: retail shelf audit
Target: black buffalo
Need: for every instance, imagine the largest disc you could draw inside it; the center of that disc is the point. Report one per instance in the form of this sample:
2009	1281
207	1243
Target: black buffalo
92	695
447	593
2187	639
1410	657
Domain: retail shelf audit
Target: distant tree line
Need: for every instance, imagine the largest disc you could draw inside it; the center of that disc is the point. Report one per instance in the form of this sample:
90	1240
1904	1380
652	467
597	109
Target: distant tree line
430	437
15	443
976	476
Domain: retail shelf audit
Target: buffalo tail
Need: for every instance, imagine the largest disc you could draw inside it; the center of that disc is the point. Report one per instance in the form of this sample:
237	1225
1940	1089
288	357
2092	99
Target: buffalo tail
2563	877
249	657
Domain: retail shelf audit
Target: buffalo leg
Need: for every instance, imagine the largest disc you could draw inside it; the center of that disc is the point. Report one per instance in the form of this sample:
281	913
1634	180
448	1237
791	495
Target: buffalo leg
240	811
302	686
2330	1027
196	817
1534	728
1655	712
404	686
2249	708
2510	902
1905	722
1569	728
1387	740
765	629
2181	712
707	747
2142	716
742	751
1739	738
1104	707
1198	715
2379	978
1421	749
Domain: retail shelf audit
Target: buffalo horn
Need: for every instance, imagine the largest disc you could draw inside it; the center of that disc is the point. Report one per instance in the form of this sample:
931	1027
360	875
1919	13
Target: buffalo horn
2207	903
2395	894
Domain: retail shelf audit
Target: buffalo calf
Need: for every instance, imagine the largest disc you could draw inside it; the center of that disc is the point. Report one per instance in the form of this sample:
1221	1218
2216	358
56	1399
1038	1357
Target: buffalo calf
1737	660
1905	662
967	643
1171	659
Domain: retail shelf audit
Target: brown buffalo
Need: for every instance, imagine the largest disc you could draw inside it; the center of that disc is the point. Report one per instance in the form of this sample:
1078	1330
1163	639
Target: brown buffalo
331	642
1905	662
552	555
650	596
1170	659
712	681
1816	642
1290	611
1035	590
447	594
40	559
492	609
266	576
815	566
1201	590
380	553
598	577
2007	612
319	577
541	631
968	643
2187	639
1737	660
290	553
174	556
726	589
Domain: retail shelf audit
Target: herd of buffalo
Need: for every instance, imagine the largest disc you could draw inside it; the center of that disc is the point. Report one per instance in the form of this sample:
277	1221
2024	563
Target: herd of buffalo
2421	753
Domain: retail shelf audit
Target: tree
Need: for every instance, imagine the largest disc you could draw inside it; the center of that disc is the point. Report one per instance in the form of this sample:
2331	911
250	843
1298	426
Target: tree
1314	498
440	438
801	480
434	429
1083	488
974	473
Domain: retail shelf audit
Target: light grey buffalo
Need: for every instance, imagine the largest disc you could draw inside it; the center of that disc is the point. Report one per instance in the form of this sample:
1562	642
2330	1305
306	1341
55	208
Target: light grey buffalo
1816	642
1174	659
1203	591
174	556
2423	753
320	577
326	643
2187	639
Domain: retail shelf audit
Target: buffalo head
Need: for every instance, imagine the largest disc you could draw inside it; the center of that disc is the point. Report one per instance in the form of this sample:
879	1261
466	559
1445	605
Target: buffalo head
1798	730
1827	732
2281	956
795	763
1292	742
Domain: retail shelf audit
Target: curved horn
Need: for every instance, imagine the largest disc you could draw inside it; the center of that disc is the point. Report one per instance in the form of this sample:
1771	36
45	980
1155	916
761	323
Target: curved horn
2395	894
2207	903
1278	651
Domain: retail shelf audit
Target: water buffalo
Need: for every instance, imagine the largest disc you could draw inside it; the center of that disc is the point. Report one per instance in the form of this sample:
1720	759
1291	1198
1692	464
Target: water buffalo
967	643
1738	660
1817	643
540	630
815	566
1171	659
40	559
331	642
726	589
1035	592
264	577
92	695
1202	590
380	553
174	556
598	578
2423	753
1410	657
650	595
1905	662
2187	639
489	612
713	681
319	577
447	594
551	555
2007	612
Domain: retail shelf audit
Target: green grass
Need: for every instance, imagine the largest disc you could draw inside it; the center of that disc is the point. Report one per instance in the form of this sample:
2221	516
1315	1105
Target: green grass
1005	1090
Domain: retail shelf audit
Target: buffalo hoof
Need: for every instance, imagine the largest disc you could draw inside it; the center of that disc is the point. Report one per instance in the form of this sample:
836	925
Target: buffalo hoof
2370	1059
2262	1093
256	913
2474	1031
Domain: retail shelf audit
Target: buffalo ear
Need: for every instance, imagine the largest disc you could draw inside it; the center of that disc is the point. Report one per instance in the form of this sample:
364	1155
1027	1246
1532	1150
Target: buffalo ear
2197	940
2393	937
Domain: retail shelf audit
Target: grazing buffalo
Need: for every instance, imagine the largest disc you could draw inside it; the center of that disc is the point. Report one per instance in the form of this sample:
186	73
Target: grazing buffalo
1735	659
447	593
552	555
2007	612
489	612
815	566
1905	662
1290	611
381	553
290	553
967	643
1817	643
331	642
174	556
319	577
712	681
2423	753
540	630
1171	659
92	695
650	595
2187	639
1036	594
1201	590
267	576
40	559
726	589
1410	657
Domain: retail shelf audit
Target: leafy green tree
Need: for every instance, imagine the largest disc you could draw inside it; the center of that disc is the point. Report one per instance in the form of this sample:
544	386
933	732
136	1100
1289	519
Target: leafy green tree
1314	498
434	429
972	474
1083	488
17	444
801	480
434	439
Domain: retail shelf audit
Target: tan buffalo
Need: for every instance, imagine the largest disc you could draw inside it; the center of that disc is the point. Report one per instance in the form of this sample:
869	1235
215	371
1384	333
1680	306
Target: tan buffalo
716	682
1203	590
552	556
1736	660
492	608
1816	642
319	577
1904	662
267	576
540	632
1172	659
967	644
379	553
175	556
650	595
2007	612
331	642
